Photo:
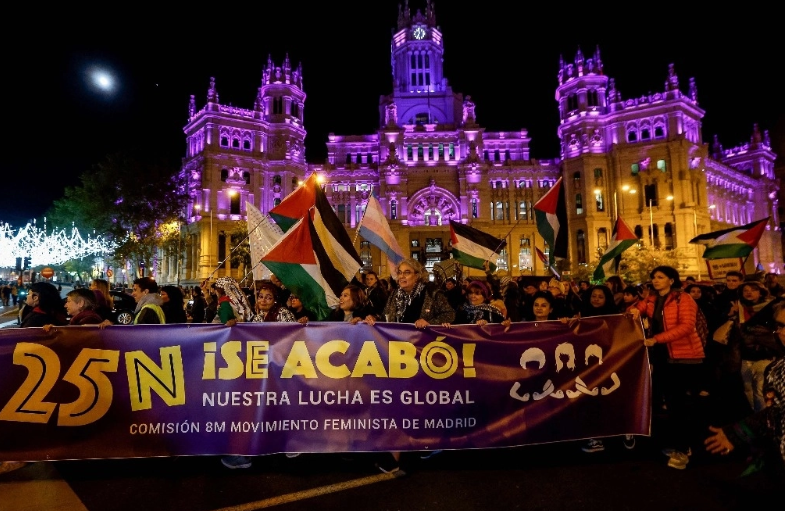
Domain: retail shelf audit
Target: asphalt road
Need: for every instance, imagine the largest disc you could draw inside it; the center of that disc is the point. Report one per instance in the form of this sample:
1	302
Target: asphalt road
549	477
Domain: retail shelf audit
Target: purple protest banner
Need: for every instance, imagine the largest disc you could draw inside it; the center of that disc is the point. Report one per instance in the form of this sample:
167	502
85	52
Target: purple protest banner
170	390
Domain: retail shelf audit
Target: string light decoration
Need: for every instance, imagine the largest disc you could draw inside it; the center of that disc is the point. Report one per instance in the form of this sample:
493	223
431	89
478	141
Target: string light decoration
42	248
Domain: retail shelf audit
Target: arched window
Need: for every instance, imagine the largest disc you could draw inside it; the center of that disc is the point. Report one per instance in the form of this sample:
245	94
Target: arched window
581	247
632	136
576	177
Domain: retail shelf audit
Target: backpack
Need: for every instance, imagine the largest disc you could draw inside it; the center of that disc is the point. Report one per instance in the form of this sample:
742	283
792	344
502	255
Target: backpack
702	328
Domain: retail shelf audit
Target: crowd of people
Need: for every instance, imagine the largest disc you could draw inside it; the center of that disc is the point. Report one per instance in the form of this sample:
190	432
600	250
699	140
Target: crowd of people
734	377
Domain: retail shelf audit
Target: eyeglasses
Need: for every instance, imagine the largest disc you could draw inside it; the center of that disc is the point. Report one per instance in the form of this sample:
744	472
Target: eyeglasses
406	273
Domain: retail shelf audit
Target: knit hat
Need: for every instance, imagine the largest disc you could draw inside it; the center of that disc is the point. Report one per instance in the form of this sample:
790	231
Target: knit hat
484	289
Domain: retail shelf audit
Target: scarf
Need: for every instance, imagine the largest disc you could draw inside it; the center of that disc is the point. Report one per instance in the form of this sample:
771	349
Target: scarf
403	300
477	312
237	299
147	299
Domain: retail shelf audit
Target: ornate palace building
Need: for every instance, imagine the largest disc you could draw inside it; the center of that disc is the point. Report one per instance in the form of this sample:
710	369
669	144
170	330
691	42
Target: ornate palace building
430	161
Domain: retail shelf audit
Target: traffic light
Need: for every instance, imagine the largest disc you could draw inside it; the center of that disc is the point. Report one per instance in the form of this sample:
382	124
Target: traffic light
27	264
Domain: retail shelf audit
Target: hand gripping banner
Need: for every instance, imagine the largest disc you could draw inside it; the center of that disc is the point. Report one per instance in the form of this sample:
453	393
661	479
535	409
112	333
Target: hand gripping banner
171	390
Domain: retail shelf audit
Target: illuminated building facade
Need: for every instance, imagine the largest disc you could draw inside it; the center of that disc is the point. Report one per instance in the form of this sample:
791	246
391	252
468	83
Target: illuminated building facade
430	161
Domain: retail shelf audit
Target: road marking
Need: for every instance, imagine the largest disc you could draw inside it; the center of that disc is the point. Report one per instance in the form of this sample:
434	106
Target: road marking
314	492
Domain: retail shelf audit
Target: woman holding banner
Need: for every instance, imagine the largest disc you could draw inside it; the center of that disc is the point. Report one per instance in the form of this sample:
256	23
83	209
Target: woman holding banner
415	302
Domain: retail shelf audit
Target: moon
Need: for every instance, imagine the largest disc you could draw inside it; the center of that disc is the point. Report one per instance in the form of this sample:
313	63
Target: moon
102	79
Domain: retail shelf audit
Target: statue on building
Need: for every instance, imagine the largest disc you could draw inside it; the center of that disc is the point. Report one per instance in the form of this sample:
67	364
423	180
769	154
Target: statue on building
391	114
469	111
212	94
191	107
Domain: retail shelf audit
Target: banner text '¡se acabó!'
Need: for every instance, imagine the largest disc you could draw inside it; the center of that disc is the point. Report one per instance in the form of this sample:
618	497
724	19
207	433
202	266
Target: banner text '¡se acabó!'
402	360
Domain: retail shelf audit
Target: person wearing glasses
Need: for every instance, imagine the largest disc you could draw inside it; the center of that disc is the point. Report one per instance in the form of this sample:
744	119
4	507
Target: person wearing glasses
419	304
764	428
268	308
414	301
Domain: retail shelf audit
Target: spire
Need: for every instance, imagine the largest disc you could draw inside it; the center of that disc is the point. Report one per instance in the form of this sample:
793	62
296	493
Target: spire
717	148
579	60
766	138
561	70
212	94
597	58
612	93
693	92
672	83
757	135
191	107
265	76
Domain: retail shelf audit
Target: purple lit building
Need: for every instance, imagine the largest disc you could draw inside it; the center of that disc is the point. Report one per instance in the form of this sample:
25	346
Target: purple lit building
430	161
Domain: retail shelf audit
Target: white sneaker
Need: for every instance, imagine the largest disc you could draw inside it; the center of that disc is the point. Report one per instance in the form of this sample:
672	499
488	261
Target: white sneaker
593	445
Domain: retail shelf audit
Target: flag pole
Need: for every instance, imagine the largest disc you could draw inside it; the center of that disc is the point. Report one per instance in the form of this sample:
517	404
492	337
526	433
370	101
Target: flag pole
503	240
233	250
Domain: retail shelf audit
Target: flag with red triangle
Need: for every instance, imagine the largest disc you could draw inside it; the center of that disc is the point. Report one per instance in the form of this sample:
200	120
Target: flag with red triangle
623	238
734	242
546	262
552	221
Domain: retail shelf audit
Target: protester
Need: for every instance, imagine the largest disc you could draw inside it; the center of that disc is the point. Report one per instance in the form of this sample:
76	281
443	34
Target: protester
102	298
173	304
375	292
232	302
301	313
478	310
46	306
80	307
353	307
677	355
195	312
268	309
147	299
765	427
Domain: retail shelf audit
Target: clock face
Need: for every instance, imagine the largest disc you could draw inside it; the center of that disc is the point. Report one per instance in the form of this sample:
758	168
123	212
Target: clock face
419	33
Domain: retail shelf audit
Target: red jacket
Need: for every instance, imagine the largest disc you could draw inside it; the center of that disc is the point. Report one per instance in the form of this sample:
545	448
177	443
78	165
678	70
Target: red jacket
679	320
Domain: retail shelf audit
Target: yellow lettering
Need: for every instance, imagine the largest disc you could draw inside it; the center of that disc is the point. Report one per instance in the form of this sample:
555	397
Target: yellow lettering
402	363
230	351
144	376
257	357
209	361
323	359
299	362
369	362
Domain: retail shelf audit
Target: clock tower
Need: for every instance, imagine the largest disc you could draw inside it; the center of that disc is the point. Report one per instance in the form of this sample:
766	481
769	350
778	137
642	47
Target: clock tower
419	90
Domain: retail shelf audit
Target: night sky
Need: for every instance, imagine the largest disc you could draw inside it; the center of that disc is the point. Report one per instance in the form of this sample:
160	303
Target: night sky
57	125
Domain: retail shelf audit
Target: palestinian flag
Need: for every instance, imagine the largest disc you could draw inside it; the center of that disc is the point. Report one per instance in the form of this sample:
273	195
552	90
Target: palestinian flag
472	247
623	238
295	205
552	221
734	242
303	265
333	235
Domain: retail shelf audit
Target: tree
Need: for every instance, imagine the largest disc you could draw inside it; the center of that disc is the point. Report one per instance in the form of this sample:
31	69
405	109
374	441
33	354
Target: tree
130	199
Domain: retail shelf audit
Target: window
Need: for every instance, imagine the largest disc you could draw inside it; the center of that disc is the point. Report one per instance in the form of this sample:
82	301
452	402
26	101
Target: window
247	177
521	210
234	204
601	240
597	173
496	184
359	158
341	214
393	210
571	103
632	136
359	212
224	175
421	152
521	184
645	134
433	245
433	217
635	169
247	145
524	254
502	260
661	165
409	152
498	211
576	177
474	208
659	132
600	203
486	155
415	243
581	247
236	143
276	202
277	180
366	255
639	231
669	236
451	151
224	141
650	192
578	203
507	155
